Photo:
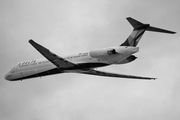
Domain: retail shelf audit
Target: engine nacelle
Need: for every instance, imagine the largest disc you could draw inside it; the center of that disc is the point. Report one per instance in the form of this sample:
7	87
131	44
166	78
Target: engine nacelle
102	52
128	59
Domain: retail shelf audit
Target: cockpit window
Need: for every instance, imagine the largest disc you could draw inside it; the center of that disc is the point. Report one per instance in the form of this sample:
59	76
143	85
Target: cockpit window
13	70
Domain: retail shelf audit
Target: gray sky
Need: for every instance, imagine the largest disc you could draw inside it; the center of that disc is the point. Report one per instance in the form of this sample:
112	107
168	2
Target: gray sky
71	26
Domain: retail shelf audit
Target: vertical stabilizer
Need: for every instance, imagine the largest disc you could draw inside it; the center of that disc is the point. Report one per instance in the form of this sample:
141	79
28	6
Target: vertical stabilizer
138	31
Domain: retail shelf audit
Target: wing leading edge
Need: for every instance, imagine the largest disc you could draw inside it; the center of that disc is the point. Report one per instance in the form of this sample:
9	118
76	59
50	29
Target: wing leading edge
107	74
55	59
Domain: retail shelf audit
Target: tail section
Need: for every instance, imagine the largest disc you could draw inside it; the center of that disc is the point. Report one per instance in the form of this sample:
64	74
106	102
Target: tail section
139	29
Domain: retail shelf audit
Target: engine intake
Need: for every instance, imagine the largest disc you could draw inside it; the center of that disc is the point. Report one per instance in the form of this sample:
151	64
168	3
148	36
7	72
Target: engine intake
128	59
102	53
110	52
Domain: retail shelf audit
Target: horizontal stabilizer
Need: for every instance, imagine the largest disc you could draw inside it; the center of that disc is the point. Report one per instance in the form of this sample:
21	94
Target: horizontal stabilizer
139	30
138	25
155	29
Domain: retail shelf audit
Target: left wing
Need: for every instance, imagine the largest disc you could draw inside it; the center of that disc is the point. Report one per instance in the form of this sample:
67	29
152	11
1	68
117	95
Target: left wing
55	59
107	74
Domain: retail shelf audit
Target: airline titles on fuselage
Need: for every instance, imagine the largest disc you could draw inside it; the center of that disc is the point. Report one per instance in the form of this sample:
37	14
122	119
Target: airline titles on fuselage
34	62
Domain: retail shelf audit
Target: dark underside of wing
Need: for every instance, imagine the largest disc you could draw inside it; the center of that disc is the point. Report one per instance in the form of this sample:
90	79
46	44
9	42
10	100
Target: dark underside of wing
107	74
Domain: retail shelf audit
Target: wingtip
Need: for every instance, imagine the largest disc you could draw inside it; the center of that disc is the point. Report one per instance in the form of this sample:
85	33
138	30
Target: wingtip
30	40
128	17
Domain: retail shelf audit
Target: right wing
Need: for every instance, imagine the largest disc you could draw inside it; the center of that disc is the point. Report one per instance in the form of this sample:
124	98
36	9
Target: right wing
107	74
55	59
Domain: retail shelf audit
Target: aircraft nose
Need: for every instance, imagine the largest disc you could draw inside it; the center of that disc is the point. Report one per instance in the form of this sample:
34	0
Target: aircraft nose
8	76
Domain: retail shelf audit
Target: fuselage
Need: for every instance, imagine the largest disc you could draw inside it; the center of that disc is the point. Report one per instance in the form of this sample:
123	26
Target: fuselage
84	61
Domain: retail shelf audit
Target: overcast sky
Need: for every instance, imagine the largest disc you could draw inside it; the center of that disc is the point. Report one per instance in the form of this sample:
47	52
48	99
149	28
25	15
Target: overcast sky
72	26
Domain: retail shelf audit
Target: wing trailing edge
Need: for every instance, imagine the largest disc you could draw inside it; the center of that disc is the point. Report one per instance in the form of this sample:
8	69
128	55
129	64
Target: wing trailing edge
107	74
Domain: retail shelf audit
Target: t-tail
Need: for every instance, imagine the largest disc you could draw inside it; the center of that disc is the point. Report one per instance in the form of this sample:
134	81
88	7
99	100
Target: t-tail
139	29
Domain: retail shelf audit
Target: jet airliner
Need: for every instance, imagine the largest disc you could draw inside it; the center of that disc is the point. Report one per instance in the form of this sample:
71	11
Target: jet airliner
85	62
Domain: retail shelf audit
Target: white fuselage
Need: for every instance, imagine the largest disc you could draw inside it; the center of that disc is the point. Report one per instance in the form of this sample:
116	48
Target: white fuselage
85	61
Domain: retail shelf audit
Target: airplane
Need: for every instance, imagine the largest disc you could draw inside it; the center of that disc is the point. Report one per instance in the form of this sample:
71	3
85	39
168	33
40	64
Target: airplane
85	62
